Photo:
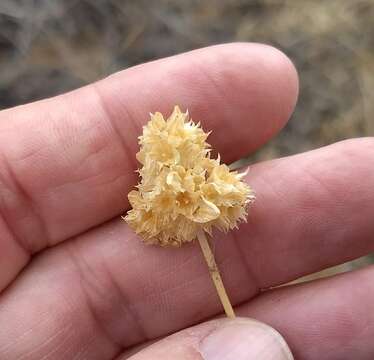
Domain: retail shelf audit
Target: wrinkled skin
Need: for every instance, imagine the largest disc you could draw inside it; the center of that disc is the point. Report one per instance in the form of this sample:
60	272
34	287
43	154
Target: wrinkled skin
75	281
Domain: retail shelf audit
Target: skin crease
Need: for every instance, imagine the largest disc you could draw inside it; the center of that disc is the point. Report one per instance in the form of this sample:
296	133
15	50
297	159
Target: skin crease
76	151
101	291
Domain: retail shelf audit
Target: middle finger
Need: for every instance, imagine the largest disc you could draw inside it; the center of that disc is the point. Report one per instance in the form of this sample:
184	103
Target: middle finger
313	210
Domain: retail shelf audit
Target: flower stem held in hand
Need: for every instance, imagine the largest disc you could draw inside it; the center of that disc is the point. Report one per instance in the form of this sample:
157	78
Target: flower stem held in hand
214	273
184	192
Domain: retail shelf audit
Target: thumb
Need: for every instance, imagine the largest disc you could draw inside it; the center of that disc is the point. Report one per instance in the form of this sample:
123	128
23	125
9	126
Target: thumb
223	339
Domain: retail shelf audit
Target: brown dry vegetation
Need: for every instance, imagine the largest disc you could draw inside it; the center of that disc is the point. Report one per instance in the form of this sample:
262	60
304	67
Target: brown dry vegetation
51	46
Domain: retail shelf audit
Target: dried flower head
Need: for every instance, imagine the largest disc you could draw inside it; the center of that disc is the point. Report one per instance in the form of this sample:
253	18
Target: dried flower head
182	189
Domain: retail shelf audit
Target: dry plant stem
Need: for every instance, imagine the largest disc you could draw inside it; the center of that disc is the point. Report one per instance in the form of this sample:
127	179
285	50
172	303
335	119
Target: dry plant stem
214	273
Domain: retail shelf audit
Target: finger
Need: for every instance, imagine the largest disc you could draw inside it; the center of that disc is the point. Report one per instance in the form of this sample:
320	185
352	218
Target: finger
137	292
329	319
313	211
72	165
238	339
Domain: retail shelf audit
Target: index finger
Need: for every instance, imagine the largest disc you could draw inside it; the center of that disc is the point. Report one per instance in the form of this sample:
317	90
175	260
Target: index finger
67	163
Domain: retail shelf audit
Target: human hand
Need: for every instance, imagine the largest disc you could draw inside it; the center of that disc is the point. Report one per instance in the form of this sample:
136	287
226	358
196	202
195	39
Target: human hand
76	283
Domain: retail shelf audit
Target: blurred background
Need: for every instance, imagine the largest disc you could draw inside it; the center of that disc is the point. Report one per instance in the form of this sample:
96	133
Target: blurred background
51	46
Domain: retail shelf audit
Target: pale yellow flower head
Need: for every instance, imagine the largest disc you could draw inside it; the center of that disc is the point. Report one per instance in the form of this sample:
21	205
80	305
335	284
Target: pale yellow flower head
183	190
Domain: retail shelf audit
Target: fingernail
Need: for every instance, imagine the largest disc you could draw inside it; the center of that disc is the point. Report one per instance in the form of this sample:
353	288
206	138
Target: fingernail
242	339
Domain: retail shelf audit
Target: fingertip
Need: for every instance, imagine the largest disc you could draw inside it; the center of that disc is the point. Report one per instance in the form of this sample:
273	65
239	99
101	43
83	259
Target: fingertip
258	85
274	77
239	338
244	338
285	78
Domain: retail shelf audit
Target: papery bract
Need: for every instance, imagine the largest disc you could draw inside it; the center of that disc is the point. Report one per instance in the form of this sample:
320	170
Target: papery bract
182	189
